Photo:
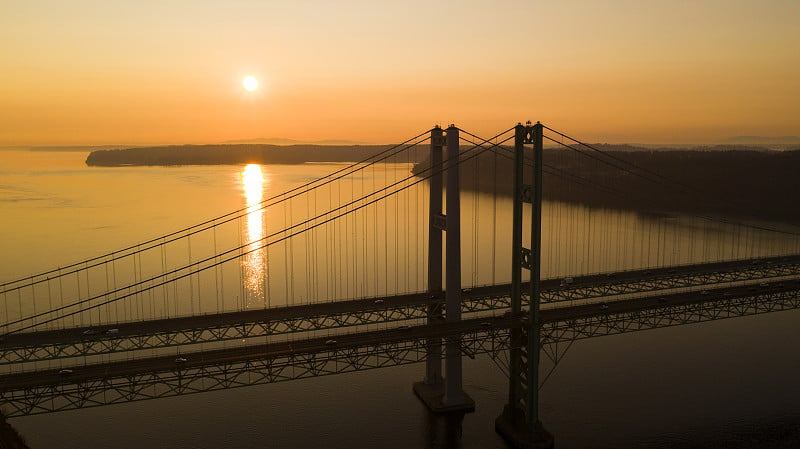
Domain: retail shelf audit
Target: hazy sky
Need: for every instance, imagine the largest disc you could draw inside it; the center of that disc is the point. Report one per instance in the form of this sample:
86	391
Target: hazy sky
109	71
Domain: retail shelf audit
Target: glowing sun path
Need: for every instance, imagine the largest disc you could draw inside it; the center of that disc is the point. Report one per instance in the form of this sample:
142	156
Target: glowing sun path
253	183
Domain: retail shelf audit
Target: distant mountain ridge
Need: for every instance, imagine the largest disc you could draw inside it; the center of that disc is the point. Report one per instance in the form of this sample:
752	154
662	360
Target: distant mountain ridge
773	140
285	141
67	148
701	148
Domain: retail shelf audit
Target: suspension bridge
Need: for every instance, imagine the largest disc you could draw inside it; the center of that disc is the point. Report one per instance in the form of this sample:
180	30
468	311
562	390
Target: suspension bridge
376	265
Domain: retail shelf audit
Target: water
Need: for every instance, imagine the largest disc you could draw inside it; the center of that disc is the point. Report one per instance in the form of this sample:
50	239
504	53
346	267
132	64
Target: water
729	383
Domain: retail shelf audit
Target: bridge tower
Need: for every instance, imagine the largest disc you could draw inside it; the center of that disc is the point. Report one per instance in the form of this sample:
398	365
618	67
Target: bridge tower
442	394
519	423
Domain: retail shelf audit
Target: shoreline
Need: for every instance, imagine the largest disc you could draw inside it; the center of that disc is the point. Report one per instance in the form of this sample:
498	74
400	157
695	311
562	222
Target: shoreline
750	183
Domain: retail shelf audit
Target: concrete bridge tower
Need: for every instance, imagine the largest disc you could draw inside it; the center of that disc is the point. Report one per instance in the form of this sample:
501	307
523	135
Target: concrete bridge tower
444	393
519	423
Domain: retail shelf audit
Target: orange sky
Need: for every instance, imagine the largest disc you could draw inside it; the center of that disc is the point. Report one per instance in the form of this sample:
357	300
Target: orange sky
106	72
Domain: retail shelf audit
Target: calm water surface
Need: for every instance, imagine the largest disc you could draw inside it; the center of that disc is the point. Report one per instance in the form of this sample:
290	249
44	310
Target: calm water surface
730	383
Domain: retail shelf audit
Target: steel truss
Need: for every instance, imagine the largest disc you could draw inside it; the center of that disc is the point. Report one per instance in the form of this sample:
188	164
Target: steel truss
105	344
566	331
666	281
189	380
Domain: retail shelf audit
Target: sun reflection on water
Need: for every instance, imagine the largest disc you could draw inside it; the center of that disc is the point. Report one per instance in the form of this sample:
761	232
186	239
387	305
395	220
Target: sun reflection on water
255	262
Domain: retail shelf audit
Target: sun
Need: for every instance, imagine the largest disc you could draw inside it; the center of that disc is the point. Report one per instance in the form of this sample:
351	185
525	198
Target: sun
249	83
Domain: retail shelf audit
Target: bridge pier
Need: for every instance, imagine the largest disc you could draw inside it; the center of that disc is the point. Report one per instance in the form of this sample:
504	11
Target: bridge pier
514	428
444	394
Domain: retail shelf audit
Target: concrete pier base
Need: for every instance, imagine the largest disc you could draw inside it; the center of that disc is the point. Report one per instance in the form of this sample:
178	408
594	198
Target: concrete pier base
516	432
432	395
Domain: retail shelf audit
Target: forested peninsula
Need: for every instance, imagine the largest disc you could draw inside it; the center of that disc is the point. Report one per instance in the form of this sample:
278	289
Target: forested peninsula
735	182
240	154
